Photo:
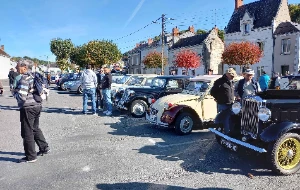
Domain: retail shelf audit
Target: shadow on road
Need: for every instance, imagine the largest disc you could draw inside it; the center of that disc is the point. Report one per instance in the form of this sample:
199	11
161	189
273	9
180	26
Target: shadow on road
8	159
198	151
148	186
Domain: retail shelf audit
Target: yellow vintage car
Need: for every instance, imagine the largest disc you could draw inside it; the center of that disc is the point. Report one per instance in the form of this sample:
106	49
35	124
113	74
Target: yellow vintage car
194	108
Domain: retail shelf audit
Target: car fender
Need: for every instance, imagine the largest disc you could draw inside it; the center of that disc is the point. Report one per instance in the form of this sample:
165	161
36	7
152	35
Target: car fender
274	131
170	115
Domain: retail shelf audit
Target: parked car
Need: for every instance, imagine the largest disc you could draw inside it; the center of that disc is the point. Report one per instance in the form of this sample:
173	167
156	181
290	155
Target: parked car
52	79
135	81
74	86
193	108
65	78
267	123
135	99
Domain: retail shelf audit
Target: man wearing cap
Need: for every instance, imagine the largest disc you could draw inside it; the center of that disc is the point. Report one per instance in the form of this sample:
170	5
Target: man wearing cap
246	86
223	90
30	109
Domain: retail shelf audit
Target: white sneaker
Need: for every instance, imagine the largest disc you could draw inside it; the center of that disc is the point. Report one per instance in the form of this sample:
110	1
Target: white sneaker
108	113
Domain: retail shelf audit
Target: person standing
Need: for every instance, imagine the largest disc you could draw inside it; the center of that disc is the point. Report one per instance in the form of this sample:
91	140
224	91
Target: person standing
275	83
89	84
100	76
223	90
264	81
1	88
12	76
106	89
246	86
30	110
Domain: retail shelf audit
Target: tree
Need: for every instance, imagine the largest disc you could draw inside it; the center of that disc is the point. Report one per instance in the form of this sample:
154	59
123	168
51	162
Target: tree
187	59
200	31
242	54
153	60
99	53
62	49
295	12
79	56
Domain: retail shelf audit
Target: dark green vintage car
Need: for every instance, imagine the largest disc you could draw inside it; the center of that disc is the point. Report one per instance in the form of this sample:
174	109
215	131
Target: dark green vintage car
269	123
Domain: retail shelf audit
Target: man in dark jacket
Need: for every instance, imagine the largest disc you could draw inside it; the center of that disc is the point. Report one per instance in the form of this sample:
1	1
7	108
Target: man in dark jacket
223	90
12	76
100	76
30	110
106	89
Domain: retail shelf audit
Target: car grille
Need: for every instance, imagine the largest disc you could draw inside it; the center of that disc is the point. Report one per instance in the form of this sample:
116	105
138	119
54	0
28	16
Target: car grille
125	96
249	120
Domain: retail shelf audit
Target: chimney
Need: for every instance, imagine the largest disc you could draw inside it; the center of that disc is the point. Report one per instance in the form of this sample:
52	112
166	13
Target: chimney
137	45
192	29
175	31
2	47
150	41
238	4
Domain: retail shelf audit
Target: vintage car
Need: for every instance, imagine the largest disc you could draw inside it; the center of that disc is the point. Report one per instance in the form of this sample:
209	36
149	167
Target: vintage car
136	99
269	123
193	108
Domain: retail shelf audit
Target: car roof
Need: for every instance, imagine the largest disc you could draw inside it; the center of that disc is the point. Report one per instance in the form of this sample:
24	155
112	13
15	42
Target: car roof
206	78
173	76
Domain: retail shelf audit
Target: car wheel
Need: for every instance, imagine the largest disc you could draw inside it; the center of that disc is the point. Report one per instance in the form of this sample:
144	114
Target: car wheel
284	154
63	87
138	108
184	124
80	90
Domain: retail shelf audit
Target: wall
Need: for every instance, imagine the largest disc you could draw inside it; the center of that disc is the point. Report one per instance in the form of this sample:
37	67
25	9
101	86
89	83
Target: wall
281	59
261	34
5	67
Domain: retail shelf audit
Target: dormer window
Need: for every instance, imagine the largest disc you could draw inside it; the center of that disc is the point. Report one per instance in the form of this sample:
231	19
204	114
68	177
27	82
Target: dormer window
246	28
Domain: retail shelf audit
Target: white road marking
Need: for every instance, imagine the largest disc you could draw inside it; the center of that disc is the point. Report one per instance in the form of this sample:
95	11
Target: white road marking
86	169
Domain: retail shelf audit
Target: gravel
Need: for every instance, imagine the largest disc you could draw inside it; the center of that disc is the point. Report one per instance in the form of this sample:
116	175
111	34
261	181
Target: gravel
120	152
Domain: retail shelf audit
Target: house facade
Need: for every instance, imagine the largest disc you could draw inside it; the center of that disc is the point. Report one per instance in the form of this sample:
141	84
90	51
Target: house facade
5	63
135	56
209	46
256	22
287	48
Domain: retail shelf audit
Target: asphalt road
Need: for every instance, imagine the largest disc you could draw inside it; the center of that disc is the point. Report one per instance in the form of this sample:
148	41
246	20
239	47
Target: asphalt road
119	152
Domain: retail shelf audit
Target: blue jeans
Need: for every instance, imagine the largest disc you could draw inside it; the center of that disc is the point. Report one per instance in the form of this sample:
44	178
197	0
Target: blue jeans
225	116
89	93
107	99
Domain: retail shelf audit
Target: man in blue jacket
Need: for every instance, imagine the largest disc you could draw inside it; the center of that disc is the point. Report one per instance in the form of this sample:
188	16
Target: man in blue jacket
264	81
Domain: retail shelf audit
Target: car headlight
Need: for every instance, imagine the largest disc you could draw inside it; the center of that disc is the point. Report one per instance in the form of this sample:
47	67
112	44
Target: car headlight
236	107
264	114
131	92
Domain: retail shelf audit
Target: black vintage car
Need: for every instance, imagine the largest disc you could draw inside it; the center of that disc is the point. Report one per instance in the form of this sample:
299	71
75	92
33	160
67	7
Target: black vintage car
268	123
138	99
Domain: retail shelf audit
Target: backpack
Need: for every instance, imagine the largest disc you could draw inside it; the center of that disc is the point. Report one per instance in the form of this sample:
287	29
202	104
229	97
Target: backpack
40	85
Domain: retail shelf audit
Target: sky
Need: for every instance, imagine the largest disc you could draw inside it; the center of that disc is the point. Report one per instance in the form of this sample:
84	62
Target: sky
27	27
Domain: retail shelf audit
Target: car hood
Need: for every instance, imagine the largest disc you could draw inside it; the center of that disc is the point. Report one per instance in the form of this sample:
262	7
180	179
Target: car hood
175	99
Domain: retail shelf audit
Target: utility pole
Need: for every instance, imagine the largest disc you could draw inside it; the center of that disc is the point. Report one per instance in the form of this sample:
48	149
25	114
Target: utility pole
162	40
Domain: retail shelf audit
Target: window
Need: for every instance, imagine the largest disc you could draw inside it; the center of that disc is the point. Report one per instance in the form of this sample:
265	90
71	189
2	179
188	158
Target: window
246	28
173	83
148	82
261	45
259	71
285	69
286	46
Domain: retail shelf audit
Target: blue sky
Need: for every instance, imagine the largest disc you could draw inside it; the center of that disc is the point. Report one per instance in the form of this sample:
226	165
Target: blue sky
28	26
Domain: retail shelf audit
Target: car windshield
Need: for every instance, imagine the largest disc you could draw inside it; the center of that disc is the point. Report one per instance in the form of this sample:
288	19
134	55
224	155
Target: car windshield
199	86
123	80
157	82
135	80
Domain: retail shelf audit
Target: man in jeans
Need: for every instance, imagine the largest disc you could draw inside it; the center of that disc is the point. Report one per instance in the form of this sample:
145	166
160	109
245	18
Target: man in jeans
89	84
100	76
106	89
30	105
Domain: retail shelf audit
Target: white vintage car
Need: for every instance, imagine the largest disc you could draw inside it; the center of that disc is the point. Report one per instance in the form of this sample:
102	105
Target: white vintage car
193	108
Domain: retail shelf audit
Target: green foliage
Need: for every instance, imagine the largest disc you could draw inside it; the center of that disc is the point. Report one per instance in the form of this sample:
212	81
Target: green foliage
79	56
221	33
154	60
156	38
35	60
295	12
62	49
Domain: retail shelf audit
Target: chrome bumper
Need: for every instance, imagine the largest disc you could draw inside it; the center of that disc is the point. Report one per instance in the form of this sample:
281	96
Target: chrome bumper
153	120
244	144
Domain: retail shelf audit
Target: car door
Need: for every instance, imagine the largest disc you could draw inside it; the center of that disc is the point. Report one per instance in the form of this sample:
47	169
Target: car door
209	107
174	86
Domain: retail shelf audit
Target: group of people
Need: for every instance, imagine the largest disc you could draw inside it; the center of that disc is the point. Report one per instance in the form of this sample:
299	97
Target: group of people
98	89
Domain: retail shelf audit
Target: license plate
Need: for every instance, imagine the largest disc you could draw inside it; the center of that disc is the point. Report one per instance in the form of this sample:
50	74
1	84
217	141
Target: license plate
229	145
